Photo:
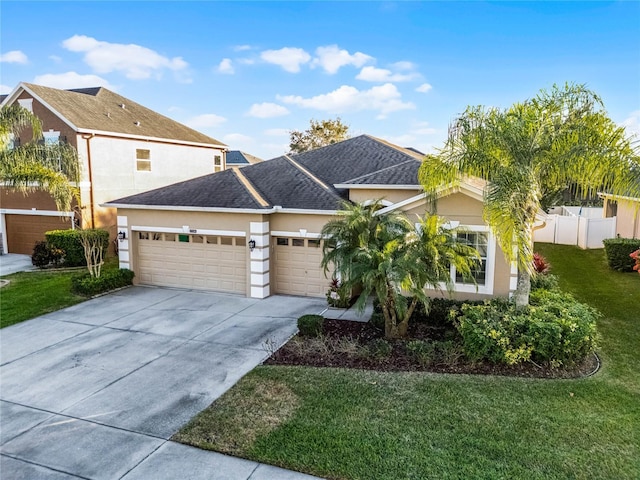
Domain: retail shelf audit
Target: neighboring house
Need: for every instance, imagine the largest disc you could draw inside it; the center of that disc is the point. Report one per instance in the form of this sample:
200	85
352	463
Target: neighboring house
627	211
124	148
236	158
256	230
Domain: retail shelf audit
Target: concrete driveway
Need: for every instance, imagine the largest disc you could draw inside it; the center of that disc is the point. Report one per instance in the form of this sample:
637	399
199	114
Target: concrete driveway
13	262
96	390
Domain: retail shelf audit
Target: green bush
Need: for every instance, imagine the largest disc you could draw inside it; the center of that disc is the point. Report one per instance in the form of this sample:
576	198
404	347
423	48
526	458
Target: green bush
310	325
379	348
45	255
377	320
69	242
554	329
109	280
545	281
617	251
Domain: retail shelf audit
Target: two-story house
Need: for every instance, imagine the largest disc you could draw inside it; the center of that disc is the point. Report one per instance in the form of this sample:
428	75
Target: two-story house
124	148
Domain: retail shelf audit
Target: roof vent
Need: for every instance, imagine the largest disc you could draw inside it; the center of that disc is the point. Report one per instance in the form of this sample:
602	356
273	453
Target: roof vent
122	105
108	114
137	124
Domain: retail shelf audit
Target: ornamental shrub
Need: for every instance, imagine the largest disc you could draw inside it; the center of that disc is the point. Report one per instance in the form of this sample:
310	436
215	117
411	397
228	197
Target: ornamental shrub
540	264
69	242
310	325
636	257
339	294
554	330
109	280
546	281
618	251
45	255
379	348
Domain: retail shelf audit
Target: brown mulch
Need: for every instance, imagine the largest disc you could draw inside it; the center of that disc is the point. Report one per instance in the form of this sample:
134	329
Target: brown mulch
400	361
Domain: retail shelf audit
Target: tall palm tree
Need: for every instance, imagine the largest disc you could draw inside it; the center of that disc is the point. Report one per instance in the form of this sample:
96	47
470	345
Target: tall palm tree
528	151
36	165
387	254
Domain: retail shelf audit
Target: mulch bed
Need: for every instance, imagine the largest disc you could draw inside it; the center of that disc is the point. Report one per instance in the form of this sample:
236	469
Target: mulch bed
400	360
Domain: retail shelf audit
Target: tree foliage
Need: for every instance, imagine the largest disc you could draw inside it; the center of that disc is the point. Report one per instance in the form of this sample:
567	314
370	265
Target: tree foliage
35	165
319	134
386	254
528	151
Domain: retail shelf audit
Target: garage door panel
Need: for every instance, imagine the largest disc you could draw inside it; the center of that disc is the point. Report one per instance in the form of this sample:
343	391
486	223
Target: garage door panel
297	268
206	266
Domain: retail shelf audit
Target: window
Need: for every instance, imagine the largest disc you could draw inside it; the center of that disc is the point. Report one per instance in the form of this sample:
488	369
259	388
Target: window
282	241
212	240
51	137
479	241
143	160
197	239
313	243
156	236
241	241
169	237
217	163
298	242
183	238
226	240
26	103
143	235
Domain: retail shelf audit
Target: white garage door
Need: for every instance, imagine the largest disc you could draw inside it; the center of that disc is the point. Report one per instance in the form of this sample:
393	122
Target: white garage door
205	262
298	270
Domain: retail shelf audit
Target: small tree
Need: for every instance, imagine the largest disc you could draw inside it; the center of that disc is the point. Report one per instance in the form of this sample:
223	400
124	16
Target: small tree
319	134
387	255
93	243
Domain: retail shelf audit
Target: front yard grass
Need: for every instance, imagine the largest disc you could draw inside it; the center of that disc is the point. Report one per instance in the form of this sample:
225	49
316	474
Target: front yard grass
31	294
355	424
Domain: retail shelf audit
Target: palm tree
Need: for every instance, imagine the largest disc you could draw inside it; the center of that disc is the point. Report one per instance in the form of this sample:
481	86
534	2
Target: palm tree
528	151
386	254
36	165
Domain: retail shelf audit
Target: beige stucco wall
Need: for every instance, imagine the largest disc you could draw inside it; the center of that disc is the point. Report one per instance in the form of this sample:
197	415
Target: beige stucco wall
393	196
628	219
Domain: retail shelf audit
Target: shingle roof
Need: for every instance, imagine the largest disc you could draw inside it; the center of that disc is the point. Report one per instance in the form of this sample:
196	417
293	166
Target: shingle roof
303	181
236	157
404	174
216	190
101	109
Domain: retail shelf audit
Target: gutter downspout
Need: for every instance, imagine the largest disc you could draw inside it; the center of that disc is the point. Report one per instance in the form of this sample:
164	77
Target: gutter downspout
88	138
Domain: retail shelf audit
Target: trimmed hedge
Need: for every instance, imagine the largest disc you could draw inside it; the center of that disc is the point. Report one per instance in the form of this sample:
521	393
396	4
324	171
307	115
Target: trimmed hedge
310	325
618	250
109	280
69	242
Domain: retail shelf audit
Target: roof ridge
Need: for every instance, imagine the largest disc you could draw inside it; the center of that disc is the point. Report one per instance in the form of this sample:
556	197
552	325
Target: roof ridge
250	188
404	150
308	173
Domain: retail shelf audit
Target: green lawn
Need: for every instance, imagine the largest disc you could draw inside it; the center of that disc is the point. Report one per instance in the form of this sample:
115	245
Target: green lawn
370	425
35	293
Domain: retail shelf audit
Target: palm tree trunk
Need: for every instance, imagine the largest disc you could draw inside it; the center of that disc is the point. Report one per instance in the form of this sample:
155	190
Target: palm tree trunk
523	288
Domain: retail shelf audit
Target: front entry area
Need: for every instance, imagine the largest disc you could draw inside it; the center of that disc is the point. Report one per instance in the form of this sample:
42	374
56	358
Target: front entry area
297	267
203	262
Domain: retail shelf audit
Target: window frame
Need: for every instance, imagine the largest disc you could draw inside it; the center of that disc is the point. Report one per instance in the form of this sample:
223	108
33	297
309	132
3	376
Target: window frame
141	160
489	278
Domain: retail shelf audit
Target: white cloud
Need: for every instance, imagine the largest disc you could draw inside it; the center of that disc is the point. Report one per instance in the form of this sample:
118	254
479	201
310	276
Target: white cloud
14	56
276	132
383	98
5	89
206	120
403	65
237	140
71	80
423	128
331	58
632	124
273	150
226	66
381	75
424	88
241	48
245	61
267	110
288	58
135	61
55	58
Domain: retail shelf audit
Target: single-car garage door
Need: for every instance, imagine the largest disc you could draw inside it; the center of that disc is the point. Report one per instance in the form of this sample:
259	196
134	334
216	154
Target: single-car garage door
298	270
204	262
23	231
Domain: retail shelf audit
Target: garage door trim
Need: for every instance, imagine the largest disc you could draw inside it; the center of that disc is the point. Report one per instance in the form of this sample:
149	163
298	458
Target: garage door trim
186	229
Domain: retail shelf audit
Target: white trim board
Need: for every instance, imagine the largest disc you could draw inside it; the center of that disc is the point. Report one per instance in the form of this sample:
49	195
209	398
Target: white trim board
33	211
191	231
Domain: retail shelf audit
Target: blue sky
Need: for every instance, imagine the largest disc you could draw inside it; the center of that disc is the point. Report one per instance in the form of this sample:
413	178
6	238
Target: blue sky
247	73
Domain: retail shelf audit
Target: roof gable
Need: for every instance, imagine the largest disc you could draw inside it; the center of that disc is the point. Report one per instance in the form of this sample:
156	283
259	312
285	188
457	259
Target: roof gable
100	109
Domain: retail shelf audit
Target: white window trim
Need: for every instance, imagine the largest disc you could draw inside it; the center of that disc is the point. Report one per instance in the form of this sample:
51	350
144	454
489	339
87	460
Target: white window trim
487	288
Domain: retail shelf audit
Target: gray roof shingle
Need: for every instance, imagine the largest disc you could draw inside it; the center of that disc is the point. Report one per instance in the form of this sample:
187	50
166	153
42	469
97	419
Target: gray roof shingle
100	109
283	181
236	157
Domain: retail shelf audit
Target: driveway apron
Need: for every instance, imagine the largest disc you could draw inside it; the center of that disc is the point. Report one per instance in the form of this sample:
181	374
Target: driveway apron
96	390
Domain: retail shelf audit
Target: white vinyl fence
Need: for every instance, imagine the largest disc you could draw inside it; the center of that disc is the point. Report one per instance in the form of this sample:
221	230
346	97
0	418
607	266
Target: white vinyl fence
584	227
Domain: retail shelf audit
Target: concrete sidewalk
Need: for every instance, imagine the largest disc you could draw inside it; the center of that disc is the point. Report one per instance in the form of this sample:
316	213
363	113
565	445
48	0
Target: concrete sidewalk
13	262
96	390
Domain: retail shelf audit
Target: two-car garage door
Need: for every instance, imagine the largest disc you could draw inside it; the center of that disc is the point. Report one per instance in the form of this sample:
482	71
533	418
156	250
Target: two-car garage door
204	262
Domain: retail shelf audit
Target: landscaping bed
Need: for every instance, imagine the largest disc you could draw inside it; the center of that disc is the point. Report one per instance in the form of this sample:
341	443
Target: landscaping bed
350	344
